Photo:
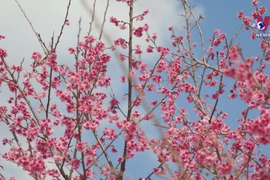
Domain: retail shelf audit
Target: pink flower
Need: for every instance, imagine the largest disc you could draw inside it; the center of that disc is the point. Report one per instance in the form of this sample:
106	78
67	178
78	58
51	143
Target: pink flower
3	53
138	32
120	159
114	21
222	36
145	27
149	49
163	50
92	124
240	15
75	163
217	31
67	22
138	49
123	27
89	39
123	79
154	36
114	150
262	10
81	146
5	141
225	168
255	2
71	50
121	42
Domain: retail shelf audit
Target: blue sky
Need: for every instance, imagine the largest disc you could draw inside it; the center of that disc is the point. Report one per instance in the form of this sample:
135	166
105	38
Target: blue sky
218	15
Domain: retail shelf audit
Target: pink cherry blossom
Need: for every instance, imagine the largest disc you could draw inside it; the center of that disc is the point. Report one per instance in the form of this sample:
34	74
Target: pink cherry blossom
191	104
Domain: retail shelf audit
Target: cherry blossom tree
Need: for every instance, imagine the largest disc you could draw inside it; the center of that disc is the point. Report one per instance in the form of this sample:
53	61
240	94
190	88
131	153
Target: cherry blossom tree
56	110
